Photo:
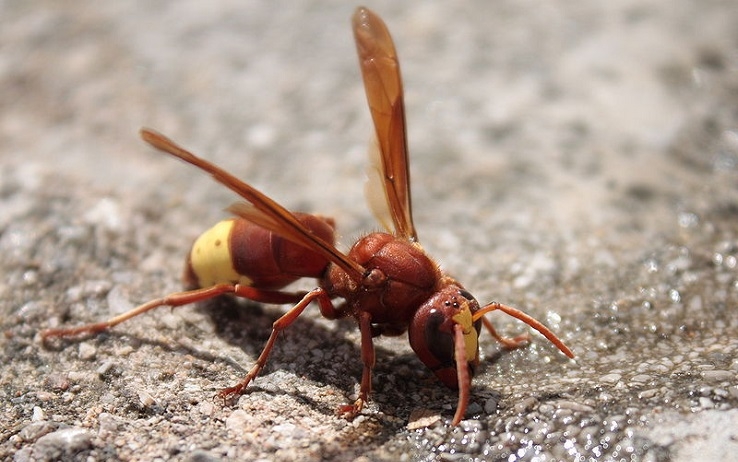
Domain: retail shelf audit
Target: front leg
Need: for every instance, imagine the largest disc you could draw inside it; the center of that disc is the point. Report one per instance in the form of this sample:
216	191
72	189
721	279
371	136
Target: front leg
368	359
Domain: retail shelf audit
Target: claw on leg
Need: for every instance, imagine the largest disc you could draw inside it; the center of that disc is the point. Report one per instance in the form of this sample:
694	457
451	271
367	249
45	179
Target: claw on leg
279	325
350	411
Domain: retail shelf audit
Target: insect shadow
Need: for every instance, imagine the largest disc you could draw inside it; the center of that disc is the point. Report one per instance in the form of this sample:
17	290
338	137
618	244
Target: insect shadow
246	325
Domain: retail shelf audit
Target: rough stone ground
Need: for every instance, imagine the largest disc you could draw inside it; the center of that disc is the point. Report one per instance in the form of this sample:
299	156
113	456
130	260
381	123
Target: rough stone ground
576	159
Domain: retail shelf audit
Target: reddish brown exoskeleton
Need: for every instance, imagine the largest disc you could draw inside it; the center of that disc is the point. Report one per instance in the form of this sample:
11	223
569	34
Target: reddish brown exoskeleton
388	283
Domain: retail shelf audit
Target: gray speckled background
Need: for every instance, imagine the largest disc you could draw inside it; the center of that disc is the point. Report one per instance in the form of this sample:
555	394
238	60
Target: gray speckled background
576	159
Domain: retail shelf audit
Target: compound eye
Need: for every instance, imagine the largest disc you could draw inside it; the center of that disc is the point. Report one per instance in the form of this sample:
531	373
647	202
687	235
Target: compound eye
466	294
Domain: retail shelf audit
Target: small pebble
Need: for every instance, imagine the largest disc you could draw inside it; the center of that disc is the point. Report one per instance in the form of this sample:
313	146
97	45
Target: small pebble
717	376
422	418
38	414
238	421
610	378
86	351
62	444
490	406
640	378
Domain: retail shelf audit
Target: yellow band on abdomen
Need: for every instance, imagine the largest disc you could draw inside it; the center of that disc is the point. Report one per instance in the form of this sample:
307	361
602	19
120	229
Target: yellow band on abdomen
211	260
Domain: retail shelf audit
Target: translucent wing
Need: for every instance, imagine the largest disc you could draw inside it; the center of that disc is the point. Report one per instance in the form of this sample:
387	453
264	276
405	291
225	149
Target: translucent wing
265	211
374	190
383	84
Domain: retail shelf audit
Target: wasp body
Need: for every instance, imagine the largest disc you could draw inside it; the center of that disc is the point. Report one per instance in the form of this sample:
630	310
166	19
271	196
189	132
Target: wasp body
388	283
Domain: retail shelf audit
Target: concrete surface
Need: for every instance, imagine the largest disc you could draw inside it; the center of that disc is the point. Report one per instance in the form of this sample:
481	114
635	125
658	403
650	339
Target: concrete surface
576	159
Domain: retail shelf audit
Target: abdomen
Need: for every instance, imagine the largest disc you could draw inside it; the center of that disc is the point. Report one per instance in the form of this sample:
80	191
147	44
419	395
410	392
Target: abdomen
236	251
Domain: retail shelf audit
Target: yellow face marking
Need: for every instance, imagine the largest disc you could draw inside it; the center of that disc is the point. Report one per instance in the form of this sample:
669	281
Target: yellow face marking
464	319
211	257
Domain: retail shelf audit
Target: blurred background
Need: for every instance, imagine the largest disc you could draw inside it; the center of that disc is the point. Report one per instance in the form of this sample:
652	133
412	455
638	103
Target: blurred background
578	160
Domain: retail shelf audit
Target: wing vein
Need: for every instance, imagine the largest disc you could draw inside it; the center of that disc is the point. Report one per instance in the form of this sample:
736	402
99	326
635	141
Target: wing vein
275	217
380	70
